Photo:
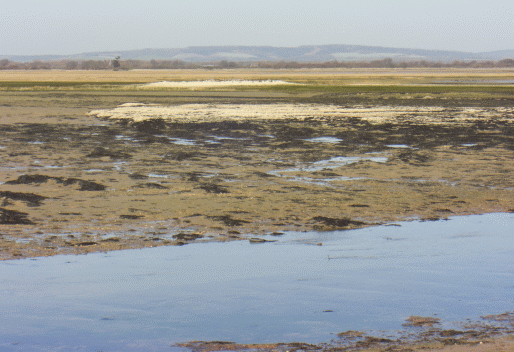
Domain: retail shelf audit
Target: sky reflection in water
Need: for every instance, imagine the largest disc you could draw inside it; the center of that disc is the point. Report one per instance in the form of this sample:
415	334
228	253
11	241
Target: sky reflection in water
371	279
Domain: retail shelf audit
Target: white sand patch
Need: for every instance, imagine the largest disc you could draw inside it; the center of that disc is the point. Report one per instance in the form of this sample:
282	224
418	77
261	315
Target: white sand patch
211	84
213	112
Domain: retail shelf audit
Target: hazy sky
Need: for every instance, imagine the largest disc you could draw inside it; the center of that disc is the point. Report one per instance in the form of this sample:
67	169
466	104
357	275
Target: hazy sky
30	27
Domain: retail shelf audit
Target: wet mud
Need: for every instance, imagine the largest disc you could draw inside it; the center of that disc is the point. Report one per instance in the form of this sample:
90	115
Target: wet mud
13	217
66	173
37	179
31	199
420	335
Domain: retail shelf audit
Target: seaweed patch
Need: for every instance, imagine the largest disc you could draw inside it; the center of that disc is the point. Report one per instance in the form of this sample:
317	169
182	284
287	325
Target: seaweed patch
13	217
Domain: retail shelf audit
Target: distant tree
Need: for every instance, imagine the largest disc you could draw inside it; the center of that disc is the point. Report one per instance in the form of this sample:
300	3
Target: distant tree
116	62
71	65
506	63
4	63
39	65
87	65
95	65
227	64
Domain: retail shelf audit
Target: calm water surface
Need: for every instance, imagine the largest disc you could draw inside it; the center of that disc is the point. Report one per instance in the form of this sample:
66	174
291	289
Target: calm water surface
289	290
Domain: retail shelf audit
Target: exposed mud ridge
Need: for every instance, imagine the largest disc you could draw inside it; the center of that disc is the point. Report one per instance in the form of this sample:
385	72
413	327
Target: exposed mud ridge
507	317
214	188
152	126
414	338
101	152
150	185
187	236
229	221
13	217
421	321
336	224
131	217
83	184
32	200
136	176
208	346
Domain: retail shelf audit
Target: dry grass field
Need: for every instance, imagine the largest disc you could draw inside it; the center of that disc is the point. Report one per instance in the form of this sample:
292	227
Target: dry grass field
314	76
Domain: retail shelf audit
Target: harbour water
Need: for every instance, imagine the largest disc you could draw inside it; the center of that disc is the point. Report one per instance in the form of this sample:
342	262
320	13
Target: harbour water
303	286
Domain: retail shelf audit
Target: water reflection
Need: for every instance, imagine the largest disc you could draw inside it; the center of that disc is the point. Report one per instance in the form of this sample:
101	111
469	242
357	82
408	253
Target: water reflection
331	140
369	279
332	163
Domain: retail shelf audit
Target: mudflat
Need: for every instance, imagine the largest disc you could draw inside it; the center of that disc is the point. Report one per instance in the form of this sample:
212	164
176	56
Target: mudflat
97	161
100	161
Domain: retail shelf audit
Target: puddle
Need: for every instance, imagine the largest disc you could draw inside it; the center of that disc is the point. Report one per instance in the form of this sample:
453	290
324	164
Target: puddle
331	163
326	182
13	167
94	170
508	81
400	146
368	279
339	161
182	141
332	140
229	138
118	165
477	81
450	183
157	176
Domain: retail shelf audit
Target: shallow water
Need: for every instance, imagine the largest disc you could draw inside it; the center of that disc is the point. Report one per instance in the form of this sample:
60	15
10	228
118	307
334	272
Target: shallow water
487	81
331	140
332	163
400	146
182	141
371	279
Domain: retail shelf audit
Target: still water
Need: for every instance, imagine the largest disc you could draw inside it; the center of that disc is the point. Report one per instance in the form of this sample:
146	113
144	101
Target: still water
289	290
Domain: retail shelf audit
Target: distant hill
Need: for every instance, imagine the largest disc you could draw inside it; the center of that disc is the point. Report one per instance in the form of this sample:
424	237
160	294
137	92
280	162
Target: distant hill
306	53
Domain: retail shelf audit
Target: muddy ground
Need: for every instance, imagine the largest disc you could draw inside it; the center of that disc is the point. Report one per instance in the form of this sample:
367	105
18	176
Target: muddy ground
75	183
72	182
490	333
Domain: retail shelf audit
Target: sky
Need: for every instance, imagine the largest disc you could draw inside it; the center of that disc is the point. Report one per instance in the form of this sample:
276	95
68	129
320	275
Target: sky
42	27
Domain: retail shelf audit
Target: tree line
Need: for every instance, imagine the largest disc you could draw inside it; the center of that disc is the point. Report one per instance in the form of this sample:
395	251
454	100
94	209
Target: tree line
118	64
